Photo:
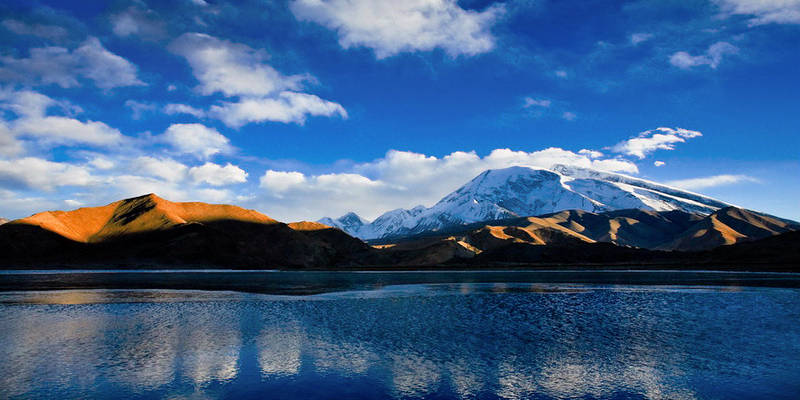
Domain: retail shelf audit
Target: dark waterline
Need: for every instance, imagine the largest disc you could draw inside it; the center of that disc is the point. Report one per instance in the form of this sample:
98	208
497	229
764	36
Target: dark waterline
312	282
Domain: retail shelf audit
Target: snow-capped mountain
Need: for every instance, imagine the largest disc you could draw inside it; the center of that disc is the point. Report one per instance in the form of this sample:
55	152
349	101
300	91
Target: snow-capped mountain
350	223
527	191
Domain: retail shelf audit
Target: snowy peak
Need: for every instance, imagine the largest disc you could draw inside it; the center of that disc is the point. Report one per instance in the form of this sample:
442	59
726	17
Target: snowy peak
350	223
522	191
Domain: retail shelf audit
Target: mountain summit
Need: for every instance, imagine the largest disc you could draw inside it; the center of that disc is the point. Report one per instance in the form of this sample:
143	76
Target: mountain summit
526	191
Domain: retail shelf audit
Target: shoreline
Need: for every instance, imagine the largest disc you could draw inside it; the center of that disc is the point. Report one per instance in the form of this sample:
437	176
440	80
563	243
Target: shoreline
316	282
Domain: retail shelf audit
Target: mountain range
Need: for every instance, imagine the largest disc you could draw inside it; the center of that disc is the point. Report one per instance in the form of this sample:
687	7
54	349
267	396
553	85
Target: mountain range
526	191
508	217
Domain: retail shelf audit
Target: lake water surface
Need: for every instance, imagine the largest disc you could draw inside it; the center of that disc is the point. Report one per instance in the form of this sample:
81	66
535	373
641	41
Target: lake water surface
458	340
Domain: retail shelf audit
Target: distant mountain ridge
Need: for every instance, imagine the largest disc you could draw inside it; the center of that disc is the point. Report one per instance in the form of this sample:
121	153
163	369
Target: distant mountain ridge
526	191
634	228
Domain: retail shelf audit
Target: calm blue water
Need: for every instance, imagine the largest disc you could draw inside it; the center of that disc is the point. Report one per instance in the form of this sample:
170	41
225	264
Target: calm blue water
439	341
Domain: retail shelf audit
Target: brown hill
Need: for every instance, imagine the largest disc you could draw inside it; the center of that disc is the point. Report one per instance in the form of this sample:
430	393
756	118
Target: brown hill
136	215
308	226
727	226
569	235
3	221
149	230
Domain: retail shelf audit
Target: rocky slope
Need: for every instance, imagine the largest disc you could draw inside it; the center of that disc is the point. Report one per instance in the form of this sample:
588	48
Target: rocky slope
149	230
525	191
568	233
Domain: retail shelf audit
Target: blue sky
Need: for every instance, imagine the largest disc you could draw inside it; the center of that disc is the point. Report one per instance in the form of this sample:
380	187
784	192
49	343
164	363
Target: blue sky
309	108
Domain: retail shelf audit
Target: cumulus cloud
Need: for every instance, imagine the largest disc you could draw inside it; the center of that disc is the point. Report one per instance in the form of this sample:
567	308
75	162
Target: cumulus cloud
402	179
287	107
763	11
231	68
173	109
37	173
712	57
50	32
62	67
217	175
235	69
710	181
655	139
33	122
196	139
164	168
390	27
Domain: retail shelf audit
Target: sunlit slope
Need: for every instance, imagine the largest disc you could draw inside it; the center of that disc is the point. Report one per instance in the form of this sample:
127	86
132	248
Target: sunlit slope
136	215
149	230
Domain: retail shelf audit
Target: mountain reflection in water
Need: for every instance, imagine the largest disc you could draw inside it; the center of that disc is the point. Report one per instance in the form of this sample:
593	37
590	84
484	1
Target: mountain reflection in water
512	341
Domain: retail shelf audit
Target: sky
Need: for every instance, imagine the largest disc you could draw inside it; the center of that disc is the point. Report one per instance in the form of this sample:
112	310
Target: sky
302	109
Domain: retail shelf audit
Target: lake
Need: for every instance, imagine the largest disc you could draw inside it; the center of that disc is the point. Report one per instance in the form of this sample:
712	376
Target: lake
438	335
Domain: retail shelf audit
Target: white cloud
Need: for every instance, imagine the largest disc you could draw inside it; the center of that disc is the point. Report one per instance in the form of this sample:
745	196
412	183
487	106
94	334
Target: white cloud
659	163
64	130
712	57
231	68
235	69
32	122
390	27
164	168
172	109
561	73
102	163
287	107
763	11
60	66
280	181
531	102
590	153
401	179
640	37
137	21
710	181
654	139
569	116
197	139
9	145
50	32
138	108
217	175
37	173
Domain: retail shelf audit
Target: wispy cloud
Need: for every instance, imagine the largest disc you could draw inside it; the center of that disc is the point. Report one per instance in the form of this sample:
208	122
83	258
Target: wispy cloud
710	181
763	11
655	139
712	57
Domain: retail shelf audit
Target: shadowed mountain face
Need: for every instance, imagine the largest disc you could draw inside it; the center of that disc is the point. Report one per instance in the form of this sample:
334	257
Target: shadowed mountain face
149	229
572	231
